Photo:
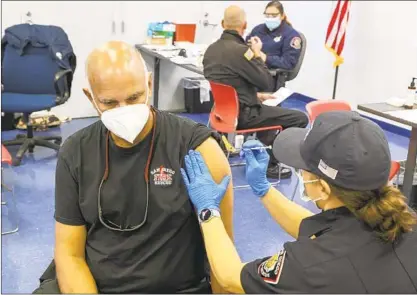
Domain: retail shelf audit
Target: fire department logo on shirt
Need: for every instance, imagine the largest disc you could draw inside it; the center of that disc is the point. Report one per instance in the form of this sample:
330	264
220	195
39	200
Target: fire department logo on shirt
270	270
162	176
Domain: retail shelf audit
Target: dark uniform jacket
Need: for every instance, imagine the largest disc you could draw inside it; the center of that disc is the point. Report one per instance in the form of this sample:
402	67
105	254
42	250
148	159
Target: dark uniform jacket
230	61
345	257
22	36
282	45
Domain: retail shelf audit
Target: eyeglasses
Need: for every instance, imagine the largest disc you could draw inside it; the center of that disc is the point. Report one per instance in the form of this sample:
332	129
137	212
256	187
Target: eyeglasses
107	223
271	15
300	177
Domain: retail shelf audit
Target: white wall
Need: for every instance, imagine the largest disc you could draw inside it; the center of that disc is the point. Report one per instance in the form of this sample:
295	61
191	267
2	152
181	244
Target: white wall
380	49
383	57
89	24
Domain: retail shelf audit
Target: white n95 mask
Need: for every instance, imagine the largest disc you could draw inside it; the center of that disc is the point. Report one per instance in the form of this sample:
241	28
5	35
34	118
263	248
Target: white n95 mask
128	121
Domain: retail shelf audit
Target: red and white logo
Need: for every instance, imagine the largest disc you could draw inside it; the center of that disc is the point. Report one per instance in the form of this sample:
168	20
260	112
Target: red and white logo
162	176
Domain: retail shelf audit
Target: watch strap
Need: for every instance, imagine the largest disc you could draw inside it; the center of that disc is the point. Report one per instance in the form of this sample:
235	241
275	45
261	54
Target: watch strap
208	214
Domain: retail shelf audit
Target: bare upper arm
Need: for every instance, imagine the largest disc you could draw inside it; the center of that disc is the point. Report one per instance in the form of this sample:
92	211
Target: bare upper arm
219	167
70	240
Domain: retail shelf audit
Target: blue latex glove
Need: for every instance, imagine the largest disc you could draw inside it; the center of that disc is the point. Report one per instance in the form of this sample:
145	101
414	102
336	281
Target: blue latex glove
256	166
204	192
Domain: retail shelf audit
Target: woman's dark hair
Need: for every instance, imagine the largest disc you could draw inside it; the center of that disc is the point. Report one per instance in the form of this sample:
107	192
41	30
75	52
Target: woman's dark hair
385	210
278	5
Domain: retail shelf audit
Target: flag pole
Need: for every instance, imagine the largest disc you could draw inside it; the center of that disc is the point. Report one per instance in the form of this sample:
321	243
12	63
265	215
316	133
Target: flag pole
335	82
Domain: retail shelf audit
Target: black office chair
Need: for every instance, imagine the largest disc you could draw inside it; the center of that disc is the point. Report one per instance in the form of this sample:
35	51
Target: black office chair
282	76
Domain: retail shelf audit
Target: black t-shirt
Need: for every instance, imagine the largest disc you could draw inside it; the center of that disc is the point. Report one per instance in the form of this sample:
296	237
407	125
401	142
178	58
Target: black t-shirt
167	253
345	257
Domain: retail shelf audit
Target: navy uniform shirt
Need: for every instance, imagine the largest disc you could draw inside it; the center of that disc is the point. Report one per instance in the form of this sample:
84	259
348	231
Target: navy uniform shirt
165	255
344	257
282	46
230	61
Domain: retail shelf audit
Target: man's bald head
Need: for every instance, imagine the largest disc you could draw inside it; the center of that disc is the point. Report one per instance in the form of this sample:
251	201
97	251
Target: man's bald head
234	19
115	71
112	60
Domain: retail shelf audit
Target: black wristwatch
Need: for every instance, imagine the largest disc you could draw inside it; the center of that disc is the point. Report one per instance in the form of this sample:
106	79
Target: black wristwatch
207	214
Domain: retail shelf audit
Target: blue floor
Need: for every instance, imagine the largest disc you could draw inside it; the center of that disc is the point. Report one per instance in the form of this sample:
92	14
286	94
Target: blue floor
27	253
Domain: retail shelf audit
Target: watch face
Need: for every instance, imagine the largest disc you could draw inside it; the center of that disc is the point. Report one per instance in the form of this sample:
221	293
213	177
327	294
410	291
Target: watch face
205	214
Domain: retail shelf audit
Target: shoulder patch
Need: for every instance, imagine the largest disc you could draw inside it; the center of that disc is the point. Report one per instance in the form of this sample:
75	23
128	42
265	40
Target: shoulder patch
249	54
270	270
296	43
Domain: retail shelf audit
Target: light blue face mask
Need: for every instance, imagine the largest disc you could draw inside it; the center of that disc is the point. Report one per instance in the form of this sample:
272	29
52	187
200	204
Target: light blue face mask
272	23
302	189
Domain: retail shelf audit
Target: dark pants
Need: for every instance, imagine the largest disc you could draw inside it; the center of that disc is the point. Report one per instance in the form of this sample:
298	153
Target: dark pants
48	281
49	284
266	116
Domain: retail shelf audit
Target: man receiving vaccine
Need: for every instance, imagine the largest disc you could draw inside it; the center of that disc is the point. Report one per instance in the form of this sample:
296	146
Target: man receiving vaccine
124	223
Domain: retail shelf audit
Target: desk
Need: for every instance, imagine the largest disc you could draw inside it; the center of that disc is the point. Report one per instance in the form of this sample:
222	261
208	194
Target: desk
158	57
383	110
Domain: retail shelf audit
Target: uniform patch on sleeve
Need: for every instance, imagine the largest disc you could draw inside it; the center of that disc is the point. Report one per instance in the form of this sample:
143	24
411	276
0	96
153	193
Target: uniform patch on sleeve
296	42
249	54
270	270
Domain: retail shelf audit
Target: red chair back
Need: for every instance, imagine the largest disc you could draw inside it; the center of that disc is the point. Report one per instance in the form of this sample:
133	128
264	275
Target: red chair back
395	168
225	111
5	155
318	107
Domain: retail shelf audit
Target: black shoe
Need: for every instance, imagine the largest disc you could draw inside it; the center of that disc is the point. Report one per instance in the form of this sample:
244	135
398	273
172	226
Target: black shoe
273	172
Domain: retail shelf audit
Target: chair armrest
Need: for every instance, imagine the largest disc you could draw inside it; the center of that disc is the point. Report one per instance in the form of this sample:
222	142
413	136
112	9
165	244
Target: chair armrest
277	72
281	77
62	94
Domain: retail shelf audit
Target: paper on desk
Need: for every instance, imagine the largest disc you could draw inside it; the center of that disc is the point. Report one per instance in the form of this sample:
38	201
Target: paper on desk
204	91
280	95
396	101
157	47
184	60
408	115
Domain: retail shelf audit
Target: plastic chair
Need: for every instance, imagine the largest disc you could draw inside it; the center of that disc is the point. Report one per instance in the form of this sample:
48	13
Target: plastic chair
283	76
395	171
6	158
318	107
33	81
225	113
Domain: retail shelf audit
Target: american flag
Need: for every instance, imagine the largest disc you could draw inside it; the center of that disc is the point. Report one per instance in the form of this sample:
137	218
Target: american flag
336	32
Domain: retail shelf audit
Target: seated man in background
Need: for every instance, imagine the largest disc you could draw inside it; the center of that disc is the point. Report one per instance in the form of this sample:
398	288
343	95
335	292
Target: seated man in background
124	223
231	61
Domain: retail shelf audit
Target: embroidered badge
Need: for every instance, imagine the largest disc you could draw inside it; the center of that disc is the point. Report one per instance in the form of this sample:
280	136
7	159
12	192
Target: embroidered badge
162	176
270	270
249	54
277	39
296	43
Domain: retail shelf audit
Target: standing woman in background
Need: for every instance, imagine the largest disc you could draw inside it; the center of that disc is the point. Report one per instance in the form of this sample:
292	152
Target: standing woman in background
281	42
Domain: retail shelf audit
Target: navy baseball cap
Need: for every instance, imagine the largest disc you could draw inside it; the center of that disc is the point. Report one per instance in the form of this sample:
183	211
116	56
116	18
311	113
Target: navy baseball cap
341	147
